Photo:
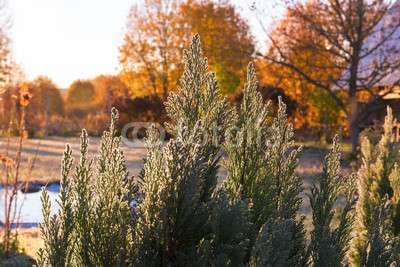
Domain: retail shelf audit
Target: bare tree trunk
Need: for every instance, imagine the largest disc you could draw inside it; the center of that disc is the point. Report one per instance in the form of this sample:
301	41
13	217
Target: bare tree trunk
354	134
353	101
353	118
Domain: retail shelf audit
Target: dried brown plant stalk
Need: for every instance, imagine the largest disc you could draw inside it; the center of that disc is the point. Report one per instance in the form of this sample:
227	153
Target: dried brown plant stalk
12	169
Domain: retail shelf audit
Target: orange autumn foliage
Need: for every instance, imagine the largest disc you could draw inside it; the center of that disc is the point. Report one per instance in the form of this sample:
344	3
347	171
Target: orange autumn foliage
157	32
315	108
225	35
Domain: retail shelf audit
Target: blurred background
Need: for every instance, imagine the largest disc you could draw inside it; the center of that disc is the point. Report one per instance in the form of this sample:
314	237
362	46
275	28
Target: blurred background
78	59
65	64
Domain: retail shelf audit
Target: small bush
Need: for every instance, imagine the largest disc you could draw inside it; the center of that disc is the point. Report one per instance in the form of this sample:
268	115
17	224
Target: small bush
377	226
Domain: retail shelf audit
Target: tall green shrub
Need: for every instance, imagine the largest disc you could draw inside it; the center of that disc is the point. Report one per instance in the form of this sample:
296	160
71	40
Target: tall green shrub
261	162
376	229
329	244
245	147
279	200
92	226
177	218
57	230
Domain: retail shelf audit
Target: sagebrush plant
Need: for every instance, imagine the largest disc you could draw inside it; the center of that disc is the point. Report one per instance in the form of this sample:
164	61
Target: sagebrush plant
245	147
329	244
108	212
56	230
176	214
377	224
278	196
94	220
177	218
261	162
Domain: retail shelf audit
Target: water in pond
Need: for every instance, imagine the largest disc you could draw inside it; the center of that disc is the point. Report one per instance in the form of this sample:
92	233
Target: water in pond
29	206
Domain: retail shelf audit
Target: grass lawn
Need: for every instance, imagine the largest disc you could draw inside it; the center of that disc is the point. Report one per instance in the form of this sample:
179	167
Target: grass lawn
46	154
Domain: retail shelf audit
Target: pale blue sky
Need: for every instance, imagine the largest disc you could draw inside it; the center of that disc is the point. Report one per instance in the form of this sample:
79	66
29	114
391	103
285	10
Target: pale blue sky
74	39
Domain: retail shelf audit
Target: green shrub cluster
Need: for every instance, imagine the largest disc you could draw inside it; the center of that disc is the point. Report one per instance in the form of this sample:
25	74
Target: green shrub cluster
177	214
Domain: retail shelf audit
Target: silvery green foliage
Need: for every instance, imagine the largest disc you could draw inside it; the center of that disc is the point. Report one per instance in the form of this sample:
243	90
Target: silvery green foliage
230	229
281	161
56	230
110	211
379	249
279	193
394	179
173	214
246	147
83	201
261	163
228	239
330	244
276	245
198	98
280	242
178	180
198	104
375	239
96	214
183	219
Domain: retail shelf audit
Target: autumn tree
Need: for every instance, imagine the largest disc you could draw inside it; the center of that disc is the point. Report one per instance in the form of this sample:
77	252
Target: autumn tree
80	94
351	33
5	53
108	90
152	45
106	83
226	37
5	43
46	102
157	31
80	102
315	109
46	96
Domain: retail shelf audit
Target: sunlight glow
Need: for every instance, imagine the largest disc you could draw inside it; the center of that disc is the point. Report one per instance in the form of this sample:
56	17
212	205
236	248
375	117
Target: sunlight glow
67	40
